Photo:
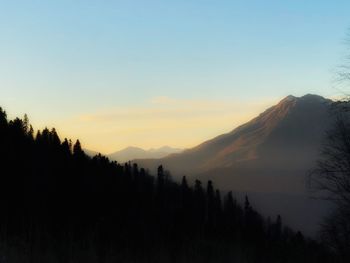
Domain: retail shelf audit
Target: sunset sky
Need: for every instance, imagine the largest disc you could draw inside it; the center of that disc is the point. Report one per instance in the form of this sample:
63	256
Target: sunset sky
153	73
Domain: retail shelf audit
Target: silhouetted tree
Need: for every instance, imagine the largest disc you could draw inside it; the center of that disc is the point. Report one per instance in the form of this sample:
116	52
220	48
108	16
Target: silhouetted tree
332	178
26	124
247	206
3	119
184	184
210	199
66	147
77	150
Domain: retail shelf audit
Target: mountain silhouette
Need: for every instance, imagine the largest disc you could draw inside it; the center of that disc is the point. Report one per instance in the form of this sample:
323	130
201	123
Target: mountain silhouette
131	153
269	156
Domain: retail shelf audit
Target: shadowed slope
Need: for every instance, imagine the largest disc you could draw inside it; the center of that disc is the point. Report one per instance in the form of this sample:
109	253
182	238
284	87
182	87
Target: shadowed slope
270	156
287	135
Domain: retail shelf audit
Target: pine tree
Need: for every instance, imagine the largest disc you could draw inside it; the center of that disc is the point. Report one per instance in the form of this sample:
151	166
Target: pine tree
77	150
3	119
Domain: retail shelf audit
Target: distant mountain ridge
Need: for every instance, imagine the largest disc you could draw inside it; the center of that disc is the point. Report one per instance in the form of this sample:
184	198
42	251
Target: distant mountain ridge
131	153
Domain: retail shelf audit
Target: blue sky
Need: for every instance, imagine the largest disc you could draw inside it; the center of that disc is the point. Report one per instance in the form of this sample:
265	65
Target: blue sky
62	61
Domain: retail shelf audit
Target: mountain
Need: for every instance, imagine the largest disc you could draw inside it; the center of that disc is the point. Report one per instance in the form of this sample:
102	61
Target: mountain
59	205
131	153
285	137
269	157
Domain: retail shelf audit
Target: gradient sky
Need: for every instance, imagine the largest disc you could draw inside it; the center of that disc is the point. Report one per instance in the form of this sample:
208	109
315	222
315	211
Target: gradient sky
152	73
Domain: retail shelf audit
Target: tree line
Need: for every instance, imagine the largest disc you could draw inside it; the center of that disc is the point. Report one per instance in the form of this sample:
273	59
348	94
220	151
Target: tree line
59	205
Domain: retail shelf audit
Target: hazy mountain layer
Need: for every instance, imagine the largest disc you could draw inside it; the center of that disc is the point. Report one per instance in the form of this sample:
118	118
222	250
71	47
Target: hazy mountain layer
131	153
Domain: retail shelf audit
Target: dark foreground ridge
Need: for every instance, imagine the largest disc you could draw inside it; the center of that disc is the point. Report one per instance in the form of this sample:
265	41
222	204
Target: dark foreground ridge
59	205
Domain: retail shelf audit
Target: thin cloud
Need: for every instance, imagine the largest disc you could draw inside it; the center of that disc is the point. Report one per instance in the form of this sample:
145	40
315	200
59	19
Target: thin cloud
168	108
161	121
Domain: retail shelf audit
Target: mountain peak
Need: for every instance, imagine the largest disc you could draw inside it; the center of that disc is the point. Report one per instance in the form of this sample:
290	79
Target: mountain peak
289	98
308	96
313	97
308	99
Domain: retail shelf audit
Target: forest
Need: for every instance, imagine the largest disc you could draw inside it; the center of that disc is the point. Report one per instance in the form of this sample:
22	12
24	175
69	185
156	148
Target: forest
59	205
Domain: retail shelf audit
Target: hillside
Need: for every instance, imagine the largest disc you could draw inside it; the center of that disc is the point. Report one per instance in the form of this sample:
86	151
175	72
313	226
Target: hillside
270	154
59	205
285	137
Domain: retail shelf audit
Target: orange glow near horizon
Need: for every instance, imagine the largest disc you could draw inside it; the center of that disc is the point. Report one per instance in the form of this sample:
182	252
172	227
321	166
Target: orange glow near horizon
162	121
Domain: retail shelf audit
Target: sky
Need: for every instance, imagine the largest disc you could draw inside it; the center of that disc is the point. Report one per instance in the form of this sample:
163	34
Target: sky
153	73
